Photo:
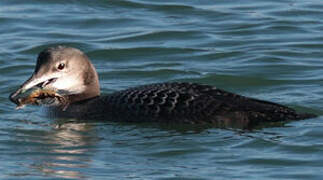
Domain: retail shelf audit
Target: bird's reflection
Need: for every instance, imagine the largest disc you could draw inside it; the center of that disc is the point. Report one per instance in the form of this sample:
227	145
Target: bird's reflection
68	151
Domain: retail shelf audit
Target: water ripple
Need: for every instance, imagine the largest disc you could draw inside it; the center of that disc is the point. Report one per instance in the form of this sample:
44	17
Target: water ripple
266	50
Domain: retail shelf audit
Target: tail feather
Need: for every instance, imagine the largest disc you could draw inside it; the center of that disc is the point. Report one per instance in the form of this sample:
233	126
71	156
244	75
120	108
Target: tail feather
301	116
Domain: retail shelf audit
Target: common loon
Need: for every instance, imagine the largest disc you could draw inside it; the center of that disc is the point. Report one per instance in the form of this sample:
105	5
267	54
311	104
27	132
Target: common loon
69	70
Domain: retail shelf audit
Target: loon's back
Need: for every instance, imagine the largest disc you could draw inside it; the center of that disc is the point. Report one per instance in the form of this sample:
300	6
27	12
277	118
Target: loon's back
182	103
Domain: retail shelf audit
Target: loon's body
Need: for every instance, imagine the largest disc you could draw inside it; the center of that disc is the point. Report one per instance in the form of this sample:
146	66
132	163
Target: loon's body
69	70
179	103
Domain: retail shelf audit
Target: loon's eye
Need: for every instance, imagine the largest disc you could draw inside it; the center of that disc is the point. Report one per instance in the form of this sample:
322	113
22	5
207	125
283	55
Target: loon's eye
61	66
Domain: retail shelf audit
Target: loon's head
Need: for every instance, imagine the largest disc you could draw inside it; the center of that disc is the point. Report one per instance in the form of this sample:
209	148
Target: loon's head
64	69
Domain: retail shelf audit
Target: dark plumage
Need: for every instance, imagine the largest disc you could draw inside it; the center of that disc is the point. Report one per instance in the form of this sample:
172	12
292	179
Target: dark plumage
181	103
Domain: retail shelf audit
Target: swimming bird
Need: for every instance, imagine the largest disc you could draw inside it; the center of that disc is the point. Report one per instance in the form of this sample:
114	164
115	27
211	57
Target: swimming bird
70	71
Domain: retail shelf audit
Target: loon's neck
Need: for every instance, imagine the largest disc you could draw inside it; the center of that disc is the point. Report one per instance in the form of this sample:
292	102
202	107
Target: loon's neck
88	93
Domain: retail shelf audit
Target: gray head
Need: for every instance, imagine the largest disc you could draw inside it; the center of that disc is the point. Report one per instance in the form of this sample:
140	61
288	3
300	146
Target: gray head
64	69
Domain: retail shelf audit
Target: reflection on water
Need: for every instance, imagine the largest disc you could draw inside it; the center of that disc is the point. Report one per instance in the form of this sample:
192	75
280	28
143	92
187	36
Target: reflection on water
74	147
65	151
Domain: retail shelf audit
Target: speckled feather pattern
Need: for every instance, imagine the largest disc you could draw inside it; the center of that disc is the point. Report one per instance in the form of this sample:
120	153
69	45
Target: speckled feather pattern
181	103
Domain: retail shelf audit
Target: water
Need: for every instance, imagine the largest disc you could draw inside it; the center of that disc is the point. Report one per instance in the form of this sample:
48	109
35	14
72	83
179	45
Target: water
270	50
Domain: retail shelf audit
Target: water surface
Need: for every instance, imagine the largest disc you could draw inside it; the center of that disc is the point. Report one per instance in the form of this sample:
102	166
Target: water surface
270	50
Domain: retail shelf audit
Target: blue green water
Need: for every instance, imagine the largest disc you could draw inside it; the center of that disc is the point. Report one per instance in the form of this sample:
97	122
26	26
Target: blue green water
270	50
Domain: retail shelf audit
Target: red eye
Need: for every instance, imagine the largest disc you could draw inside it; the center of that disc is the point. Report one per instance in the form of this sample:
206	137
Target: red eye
61	66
